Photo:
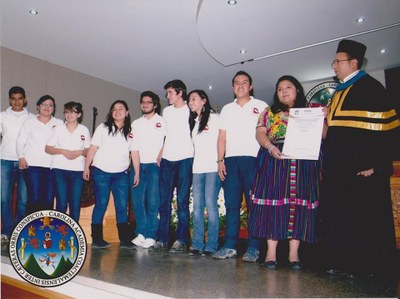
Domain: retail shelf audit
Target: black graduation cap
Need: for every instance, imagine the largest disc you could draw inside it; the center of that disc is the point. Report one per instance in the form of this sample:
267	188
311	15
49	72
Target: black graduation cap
354	49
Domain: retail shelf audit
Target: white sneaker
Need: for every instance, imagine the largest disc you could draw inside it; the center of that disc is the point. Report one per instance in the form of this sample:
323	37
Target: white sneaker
139	240
148	243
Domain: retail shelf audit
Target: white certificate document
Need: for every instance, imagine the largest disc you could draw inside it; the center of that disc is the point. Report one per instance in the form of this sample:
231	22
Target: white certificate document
303	133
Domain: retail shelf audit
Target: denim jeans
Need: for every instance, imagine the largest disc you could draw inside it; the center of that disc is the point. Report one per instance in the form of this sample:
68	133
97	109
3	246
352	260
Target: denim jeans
104	183
238	181
40	189
175	174
145	200
10	174
206	188
68	188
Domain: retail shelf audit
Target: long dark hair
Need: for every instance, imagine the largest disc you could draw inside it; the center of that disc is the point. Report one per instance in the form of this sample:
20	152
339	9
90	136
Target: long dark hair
300	98
110	124
205	114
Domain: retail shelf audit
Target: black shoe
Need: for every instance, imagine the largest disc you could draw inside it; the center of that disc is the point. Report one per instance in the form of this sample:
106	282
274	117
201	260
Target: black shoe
100	244
295	265
195	252
207	253
127	245
270	265
336	271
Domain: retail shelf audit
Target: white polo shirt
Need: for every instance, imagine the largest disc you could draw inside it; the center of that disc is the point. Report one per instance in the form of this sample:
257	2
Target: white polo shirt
10	125
240	126
178	144
205	146
79	139
32	140
148	137
113	151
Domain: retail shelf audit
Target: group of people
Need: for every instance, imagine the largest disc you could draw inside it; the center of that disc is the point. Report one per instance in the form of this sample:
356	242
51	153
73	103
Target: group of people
239	149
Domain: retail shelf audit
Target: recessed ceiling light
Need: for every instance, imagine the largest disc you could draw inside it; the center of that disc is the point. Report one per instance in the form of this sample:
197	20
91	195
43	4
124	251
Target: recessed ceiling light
383	51
210	87
243	51
232	2
360	19
33	12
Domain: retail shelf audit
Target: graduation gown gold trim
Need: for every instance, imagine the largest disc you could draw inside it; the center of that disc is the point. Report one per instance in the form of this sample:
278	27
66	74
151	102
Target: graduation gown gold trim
369	120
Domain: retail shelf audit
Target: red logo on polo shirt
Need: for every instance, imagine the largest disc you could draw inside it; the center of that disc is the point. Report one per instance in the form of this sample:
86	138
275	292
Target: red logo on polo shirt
83	137
130	135
206	128
255	111
158	125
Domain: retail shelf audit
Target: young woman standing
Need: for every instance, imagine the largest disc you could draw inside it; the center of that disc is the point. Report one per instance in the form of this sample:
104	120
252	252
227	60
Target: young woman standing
204	127
31	144
68	145
109	158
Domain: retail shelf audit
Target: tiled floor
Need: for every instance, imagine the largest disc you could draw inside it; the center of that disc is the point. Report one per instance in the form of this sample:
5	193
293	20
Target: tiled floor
183	276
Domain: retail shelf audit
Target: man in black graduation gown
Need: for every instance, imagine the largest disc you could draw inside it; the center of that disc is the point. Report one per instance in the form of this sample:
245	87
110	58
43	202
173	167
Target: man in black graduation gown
355	205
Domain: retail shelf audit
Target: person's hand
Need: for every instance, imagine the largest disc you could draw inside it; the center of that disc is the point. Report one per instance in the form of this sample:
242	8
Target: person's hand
222	170
86	174
136	180
276	153
22	163
366	173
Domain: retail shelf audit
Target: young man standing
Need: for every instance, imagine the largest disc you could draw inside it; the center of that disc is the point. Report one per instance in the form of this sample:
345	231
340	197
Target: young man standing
175	168
11	121
148	133
237	152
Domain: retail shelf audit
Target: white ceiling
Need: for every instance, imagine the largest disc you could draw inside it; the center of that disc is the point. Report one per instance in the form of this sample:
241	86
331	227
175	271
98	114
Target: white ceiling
142	44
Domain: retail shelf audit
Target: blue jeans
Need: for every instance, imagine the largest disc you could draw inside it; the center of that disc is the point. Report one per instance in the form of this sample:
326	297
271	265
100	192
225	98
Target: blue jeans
68	186
145	200
11	174
175	174
103	184
206	188
40	189
238	181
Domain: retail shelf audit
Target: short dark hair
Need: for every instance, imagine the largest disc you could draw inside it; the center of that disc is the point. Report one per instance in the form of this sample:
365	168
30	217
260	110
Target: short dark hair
154	97
45	98
248	76
244	74
74	106
16	89
178	86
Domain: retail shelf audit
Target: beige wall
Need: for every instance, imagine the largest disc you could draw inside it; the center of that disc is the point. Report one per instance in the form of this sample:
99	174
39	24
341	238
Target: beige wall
39	77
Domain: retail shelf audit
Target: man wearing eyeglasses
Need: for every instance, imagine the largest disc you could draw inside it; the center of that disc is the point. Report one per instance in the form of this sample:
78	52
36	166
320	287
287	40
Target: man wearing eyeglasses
355	208
148	134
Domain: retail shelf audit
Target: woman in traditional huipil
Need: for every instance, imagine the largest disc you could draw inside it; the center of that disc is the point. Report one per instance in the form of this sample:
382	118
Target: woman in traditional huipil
285	191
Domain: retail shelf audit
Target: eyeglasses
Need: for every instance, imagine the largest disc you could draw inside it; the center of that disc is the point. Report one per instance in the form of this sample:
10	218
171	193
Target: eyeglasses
336	61
70	112
47	105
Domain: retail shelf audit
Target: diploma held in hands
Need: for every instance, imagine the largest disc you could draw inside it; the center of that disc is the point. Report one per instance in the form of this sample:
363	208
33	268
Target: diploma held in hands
303	134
